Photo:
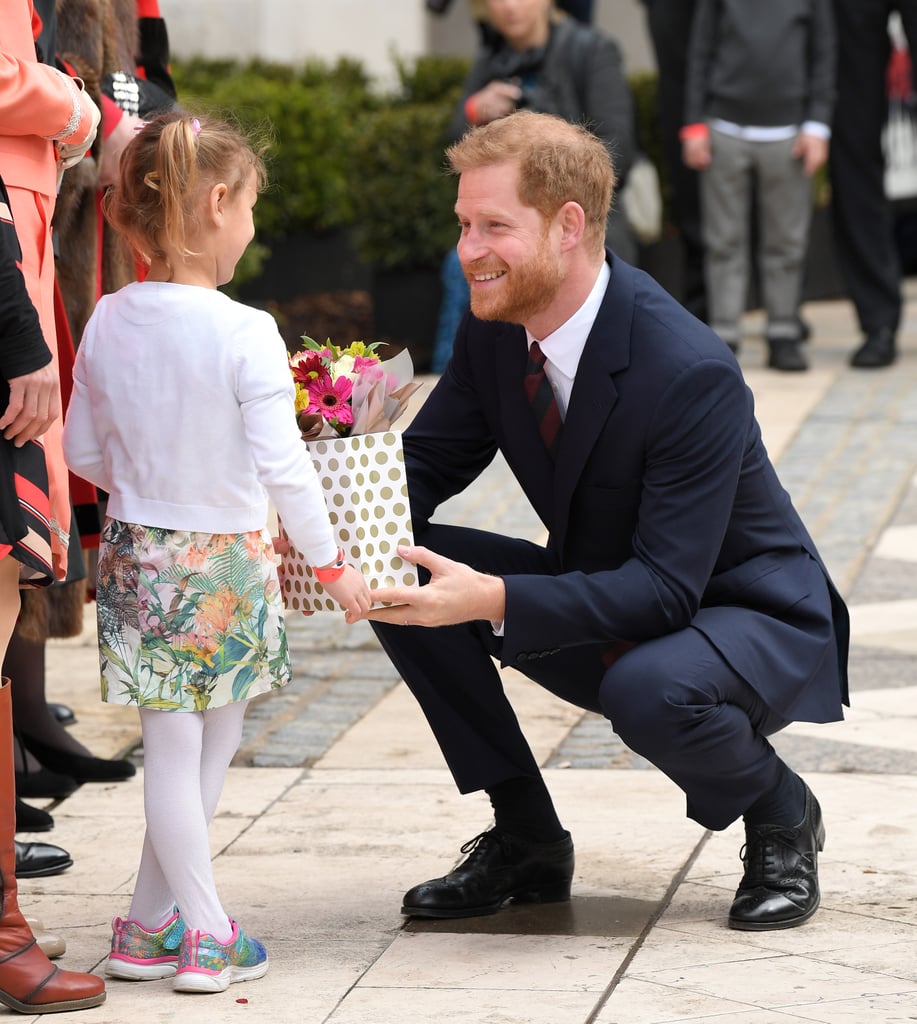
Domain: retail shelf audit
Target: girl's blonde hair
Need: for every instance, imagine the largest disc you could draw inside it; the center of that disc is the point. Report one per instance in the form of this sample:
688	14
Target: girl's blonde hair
165	172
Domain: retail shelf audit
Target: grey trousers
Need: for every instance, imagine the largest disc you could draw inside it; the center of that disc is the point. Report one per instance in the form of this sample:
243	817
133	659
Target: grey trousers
739	170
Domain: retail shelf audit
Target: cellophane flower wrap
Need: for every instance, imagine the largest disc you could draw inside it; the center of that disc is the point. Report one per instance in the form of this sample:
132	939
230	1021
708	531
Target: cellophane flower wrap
347	400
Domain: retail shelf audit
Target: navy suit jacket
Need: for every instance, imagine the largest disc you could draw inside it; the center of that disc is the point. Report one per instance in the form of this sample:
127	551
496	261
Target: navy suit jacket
663	509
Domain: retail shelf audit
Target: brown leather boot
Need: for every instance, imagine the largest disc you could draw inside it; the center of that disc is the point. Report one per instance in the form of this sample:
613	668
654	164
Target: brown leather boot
29	982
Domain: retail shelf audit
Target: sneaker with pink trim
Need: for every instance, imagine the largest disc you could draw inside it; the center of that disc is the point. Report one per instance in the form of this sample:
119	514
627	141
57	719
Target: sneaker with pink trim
140	955
206	965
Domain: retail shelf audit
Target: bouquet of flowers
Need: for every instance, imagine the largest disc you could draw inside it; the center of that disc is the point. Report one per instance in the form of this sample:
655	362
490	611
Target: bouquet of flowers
346	402
345	391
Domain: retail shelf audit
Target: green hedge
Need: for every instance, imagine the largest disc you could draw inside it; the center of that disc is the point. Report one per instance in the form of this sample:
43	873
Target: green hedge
310	116
343	154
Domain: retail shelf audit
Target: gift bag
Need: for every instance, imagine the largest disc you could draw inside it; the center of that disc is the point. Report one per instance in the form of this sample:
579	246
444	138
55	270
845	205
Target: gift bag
366	492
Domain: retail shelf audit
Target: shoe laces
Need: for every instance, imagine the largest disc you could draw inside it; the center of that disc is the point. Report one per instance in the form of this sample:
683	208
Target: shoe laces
477	847
765	861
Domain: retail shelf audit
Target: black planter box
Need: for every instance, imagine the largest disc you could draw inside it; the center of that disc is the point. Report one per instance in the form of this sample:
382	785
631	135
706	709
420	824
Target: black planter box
406	310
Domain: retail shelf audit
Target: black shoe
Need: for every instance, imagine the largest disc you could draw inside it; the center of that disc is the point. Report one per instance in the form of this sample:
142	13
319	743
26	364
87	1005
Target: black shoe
45	783
63	714
499	868
36	860
78	766
780	886
786	355
877	350
32	819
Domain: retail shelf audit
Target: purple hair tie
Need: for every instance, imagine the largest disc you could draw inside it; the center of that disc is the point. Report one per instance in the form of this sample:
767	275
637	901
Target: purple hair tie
195	126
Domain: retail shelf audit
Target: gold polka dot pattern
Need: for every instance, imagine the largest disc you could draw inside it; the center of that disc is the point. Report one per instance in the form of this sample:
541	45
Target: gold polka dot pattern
366	493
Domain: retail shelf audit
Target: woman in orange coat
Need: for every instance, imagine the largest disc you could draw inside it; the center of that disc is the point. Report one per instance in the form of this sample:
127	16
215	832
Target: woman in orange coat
47	122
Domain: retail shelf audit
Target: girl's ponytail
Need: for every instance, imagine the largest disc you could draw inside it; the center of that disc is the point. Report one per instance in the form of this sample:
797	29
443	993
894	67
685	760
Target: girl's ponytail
163	173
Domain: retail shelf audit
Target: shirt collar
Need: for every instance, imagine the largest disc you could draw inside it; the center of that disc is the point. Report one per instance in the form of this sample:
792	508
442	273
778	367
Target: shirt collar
564	346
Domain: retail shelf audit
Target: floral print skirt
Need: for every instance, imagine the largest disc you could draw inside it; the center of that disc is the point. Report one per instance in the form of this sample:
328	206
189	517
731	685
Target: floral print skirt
188	621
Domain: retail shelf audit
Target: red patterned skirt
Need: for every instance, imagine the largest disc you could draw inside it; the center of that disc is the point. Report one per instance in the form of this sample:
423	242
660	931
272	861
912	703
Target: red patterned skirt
25	528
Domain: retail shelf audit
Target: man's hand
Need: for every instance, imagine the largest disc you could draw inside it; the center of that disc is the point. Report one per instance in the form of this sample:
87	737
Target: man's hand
34	405
696	152
456	593
812	150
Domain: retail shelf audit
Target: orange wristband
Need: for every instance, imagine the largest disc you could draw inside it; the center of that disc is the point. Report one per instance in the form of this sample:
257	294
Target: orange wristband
330	573
471	109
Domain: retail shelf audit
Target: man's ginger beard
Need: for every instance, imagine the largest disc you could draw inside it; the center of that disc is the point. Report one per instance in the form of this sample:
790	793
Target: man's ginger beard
526	289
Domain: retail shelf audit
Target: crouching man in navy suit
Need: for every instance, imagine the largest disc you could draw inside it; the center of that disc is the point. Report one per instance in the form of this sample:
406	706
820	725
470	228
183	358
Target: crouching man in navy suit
679	594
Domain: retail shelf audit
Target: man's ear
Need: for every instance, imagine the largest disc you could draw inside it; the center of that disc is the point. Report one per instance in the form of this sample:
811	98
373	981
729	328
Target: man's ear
572	222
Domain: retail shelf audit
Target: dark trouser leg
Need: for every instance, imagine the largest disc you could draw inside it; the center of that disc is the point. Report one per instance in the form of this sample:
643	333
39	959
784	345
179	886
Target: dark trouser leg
862	214
677	703
669	24
528	856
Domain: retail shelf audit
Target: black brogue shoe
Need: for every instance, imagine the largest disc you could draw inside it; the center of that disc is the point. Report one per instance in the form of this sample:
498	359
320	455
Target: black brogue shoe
499	868
780	886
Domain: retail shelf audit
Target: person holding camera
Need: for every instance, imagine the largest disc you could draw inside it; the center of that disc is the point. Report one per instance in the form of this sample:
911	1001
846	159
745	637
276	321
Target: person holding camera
538	58
545	61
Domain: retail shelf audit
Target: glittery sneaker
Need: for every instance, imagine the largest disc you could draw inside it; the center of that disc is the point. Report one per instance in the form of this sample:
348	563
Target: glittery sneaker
205	965
139	955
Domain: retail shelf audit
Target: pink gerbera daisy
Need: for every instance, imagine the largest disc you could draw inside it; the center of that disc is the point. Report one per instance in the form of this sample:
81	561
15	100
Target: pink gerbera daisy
331	398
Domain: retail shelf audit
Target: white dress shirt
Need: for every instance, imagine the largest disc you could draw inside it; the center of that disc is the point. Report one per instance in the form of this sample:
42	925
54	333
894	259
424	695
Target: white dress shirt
564	347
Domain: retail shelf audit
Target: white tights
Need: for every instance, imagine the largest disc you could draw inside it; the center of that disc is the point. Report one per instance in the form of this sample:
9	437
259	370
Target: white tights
186	755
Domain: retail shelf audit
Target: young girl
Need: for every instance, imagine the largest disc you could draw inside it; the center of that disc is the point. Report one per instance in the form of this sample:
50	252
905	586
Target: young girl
182	410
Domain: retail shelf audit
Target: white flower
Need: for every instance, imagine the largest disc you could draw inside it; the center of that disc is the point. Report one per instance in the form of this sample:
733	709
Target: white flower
343	367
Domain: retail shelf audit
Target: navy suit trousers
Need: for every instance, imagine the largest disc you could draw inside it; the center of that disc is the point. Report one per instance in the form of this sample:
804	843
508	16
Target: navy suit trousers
674	700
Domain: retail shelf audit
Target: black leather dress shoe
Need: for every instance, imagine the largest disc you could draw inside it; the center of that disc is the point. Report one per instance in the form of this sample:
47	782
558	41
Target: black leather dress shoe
780	886
785	354
78	766
36	860
877	350
45	783
32	819
499	868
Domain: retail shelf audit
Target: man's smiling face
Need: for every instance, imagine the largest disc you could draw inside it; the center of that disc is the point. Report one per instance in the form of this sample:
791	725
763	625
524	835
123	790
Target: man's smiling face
509	253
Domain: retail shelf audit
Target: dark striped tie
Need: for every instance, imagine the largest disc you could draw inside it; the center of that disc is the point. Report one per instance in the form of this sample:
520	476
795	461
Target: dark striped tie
541	396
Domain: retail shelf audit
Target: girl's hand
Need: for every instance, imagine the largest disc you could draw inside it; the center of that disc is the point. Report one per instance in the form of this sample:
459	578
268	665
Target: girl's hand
351	591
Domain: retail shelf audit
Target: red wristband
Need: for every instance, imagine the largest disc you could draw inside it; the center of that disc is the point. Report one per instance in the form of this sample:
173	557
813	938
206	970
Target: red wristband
330	573
471	109
693	131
